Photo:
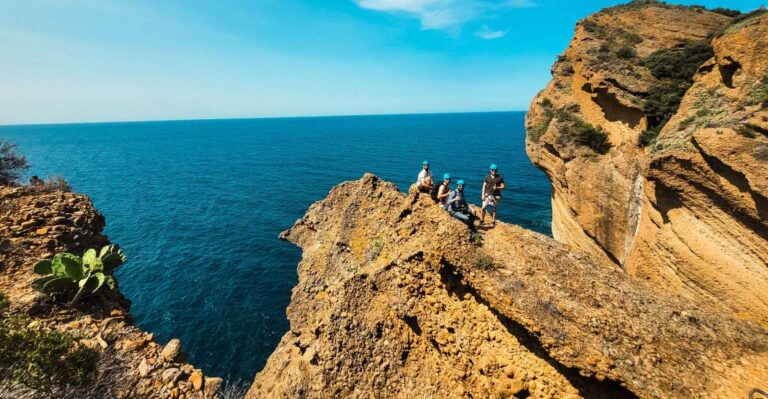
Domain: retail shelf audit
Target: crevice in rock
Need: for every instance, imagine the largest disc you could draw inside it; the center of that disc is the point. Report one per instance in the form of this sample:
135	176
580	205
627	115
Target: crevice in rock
552	150
413	323
588	387
633	216
668	198
736	178
613	109
727	71
616	84
605	250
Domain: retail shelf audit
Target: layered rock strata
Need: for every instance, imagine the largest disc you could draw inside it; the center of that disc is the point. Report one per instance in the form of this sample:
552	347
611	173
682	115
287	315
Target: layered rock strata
687	211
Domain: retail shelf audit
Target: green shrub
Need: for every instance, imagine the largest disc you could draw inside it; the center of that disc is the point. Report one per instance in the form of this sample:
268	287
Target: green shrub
67	273
374	250
681	62
743	20
484	262
535	132
663	101
566	68
585	134
761	152
57	183
40	358
626	52
726	11
746	131
759	94
476	239
12	163
648	136
4	302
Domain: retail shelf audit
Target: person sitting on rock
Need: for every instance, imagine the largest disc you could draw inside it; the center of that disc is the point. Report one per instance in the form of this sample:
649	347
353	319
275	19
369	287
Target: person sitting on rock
492	187
440	192
35	181
457	205
425	181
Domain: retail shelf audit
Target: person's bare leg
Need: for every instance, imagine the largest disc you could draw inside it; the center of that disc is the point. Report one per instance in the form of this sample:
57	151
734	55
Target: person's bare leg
482	215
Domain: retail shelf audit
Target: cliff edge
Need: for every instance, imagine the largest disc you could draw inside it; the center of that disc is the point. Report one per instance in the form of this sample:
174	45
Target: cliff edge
396	299
654	134
36	224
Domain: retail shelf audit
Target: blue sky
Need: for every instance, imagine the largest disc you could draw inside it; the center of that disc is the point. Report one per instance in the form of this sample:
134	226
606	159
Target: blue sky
114	60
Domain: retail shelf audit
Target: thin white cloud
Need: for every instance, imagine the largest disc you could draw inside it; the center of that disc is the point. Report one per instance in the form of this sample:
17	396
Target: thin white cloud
443	14
489	34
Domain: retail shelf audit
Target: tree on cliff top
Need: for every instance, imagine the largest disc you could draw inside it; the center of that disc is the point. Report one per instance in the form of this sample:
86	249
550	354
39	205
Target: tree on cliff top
12	163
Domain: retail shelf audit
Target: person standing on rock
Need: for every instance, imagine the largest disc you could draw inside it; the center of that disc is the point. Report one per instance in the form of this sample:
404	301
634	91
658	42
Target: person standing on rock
492	187
457	205
424	180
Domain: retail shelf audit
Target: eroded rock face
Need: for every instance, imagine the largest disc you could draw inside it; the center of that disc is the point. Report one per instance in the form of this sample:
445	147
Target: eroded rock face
395	299
688	212
35	224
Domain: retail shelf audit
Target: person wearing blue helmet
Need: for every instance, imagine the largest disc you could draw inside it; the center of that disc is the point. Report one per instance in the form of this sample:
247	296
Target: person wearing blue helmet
457	205
440	192
424	181
491	194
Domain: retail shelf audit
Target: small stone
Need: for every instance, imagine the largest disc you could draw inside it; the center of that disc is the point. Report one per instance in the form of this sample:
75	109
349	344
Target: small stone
171	375
116	312
144	368
130	345
28	224
516	387
101	341
171	350
88	343
212	385
196	379
41	231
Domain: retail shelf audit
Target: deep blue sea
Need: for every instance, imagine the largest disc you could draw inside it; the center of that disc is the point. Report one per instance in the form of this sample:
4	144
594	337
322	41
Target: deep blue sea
197	206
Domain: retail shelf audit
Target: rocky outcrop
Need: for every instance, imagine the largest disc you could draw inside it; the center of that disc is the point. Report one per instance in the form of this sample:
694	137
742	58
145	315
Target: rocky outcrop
35	224
685	211
396	299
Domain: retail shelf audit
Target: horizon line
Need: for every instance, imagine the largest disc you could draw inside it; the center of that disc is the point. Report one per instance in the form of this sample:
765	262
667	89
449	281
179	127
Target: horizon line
248	118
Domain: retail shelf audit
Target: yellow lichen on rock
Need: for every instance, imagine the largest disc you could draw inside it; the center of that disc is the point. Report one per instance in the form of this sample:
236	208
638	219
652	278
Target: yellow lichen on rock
430	322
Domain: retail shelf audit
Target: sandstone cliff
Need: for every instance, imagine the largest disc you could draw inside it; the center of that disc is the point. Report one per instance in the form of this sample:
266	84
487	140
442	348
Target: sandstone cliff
35	224
676	196
396	300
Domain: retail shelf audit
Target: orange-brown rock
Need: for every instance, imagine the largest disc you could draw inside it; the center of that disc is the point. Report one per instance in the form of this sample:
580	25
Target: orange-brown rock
395	299
688	213
35	224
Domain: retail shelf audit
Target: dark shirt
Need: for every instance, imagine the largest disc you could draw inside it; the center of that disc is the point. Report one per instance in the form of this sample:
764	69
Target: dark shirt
492	184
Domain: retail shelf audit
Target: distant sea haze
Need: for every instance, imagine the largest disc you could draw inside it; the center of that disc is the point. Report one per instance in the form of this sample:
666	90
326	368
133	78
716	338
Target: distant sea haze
197	205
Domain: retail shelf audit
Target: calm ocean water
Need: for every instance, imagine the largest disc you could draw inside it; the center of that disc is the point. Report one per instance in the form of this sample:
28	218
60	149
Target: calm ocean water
197	206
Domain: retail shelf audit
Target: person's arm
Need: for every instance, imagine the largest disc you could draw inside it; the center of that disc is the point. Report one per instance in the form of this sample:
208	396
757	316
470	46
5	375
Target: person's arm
482	193
445	193
501	184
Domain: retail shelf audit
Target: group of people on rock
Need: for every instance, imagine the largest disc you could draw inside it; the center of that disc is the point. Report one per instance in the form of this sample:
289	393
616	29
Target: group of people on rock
455	202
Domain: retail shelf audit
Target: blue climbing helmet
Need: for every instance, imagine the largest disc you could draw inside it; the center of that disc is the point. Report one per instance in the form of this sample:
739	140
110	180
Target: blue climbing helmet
460	182
447	176
425	163
494	166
